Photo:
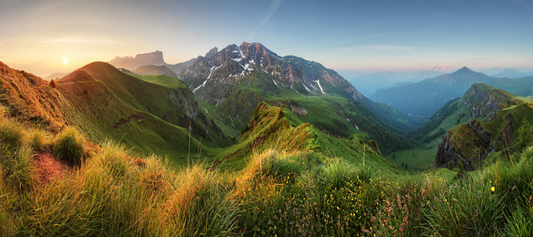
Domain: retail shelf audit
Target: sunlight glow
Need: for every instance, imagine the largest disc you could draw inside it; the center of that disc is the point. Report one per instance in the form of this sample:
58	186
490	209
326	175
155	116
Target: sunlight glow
65	60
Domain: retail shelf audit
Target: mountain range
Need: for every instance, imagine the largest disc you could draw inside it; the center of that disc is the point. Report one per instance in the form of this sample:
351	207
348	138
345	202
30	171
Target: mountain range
480	101
231	82
369	83
424	98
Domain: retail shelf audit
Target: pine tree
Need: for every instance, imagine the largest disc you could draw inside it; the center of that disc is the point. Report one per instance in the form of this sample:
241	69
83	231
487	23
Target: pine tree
52	83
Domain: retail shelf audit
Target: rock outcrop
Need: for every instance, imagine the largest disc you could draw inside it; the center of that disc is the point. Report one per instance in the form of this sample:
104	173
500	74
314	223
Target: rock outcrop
131	63
474	135
299	110
482	100
471	143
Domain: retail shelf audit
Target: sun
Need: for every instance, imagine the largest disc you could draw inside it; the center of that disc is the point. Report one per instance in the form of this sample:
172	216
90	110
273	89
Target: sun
65	60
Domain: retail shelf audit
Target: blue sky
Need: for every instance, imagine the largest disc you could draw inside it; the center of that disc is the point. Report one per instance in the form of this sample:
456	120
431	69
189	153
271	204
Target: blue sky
342	35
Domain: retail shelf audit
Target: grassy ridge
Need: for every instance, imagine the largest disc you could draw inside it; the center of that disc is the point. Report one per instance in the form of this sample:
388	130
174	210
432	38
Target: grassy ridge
510	132
99	113
332	114
168	98
278	128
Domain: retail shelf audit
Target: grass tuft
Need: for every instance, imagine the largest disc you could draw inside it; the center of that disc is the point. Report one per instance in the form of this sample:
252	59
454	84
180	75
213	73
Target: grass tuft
68	145
17	168
11	133
40	140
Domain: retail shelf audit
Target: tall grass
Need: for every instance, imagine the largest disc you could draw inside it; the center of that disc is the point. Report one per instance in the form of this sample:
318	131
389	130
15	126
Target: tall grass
69	145
279	193
40	139
11	133
113	194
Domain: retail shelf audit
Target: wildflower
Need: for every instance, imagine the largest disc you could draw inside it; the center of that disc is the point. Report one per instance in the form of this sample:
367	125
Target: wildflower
492	189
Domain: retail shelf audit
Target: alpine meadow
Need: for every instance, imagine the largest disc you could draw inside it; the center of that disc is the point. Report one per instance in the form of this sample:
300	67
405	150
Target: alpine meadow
266	118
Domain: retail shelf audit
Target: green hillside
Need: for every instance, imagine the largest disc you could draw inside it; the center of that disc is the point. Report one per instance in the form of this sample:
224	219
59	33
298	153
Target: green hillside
103	116
278	189
164	97
480	102
509	132
164	80
284	177
278	128
155	70
519	86
333	114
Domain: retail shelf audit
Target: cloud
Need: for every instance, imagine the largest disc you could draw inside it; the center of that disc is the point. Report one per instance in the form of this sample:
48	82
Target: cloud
268	13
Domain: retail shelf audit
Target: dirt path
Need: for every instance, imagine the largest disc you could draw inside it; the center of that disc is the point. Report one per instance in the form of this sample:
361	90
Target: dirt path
48	167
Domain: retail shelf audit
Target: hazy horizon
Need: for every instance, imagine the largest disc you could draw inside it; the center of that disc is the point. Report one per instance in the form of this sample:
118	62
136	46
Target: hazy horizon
46	37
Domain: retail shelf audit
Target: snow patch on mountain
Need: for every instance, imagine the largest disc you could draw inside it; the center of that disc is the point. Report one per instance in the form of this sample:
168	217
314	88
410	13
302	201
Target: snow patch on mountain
195	89
318	82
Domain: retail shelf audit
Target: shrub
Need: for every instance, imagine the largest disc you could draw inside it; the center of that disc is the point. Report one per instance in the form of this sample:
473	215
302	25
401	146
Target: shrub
68	145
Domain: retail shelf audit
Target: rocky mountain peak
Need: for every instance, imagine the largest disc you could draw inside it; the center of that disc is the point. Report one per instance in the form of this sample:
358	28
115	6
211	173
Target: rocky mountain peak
253	63
211	52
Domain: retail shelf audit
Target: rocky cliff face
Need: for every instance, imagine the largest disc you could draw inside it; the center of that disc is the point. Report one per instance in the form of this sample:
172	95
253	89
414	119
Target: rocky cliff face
482	101
463	148
472	142
191	114
131	63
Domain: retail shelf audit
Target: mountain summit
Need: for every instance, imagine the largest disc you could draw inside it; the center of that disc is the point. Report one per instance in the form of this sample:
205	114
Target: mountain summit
212	77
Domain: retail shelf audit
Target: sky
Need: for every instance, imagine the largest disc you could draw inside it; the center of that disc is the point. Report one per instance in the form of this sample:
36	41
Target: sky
44	37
